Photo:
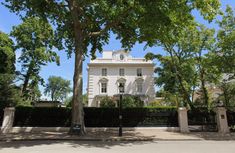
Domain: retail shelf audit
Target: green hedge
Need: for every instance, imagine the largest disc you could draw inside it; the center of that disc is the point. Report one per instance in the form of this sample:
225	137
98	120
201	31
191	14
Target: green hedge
42	117
96	117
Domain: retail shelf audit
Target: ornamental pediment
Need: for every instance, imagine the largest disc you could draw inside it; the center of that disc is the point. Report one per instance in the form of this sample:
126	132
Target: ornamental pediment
103	79
121	80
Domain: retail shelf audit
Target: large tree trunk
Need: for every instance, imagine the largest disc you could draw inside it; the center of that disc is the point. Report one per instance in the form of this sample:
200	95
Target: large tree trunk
77	105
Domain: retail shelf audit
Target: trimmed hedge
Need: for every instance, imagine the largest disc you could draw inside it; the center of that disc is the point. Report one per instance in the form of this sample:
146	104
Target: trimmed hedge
42	117
96	117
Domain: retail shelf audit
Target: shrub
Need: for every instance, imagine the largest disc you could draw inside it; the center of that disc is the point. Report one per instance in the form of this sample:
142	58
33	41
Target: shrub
132	101
107	102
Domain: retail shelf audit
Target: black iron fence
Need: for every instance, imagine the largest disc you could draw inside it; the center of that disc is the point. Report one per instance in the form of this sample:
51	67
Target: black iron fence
201	119
96	117
231	118
1	115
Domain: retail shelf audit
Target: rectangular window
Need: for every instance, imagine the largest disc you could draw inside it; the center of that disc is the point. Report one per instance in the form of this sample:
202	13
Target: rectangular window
104	72
121	87
139	87
139	72
121	72
104	87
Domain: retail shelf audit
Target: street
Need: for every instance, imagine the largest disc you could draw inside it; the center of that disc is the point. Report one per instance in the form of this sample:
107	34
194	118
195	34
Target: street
118	147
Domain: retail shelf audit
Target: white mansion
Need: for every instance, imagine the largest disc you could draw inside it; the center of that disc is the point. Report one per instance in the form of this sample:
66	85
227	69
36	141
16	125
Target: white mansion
118	68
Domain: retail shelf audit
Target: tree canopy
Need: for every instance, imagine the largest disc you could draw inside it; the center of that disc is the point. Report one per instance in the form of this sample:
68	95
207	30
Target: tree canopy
57	88
226	42
7	54
8	95
35	39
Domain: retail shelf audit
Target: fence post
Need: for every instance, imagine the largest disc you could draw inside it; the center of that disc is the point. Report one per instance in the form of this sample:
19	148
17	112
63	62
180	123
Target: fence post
183	119
221	118
8	119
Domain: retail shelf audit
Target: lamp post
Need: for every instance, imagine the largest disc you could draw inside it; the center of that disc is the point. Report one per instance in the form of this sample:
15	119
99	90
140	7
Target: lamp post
121	91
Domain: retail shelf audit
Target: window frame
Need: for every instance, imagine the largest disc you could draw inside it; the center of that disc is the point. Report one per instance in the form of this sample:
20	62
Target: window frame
121	74
139	86
104	89
139	72
104	72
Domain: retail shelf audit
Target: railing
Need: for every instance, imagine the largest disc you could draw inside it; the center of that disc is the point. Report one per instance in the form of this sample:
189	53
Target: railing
200	119
162	118
1	115
231	118
97	117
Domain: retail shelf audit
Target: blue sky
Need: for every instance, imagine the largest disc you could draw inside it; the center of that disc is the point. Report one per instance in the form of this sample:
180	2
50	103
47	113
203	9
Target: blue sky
66	68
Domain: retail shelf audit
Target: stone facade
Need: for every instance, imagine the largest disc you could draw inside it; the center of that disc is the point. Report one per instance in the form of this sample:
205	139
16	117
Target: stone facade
106	74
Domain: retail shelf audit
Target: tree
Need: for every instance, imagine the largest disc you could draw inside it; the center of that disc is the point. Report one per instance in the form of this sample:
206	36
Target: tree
58	88
8	92
226	43
89	23
35	39
224	55
189	64
203	45
228	93
174	89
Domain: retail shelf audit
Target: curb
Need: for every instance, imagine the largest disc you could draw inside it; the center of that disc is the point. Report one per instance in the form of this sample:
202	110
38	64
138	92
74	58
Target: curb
77	139
112	139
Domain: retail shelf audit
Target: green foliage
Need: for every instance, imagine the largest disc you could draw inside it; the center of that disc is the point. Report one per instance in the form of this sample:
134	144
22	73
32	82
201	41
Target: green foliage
58	88
107	102
7	54
228	93
132	101
35	39
226	42
188	64
9	94
68	101
131	20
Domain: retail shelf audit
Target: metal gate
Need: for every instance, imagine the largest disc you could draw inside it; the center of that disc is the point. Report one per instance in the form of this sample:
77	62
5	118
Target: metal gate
202	120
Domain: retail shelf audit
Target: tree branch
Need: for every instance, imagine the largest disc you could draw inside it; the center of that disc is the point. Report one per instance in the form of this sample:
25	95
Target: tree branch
110	24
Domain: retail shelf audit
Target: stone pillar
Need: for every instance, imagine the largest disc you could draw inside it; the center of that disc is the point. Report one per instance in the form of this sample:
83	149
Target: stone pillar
221	118
9	113
183	119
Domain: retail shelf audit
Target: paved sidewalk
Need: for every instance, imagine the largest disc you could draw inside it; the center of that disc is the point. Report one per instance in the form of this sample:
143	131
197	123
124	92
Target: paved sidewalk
112	135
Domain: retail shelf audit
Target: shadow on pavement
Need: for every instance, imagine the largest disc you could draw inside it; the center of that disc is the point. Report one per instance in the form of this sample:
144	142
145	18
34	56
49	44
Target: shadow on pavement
75	144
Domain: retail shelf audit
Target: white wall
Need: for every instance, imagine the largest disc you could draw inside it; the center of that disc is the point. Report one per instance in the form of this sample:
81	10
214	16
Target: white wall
94	73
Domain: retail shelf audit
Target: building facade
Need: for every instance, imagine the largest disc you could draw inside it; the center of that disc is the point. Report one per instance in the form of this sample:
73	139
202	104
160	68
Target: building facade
118	68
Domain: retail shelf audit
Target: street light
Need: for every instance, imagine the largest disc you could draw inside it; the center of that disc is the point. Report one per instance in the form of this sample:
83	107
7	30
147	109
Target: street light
121	91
